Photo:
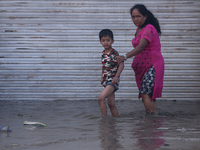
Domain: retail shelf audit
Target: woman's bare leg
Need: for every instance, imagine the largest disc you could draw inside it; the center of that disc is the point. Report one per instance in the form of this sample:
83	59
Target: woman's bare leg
149	105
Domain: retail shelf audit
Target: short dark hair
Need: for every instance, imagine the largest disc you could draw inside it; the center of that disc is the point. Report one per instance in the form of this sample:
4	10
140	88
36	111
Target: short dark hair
106	32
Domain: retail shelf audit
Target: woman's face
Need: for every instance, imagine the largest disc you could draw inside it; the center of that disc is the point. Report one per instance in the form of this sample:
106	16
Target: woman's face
138	18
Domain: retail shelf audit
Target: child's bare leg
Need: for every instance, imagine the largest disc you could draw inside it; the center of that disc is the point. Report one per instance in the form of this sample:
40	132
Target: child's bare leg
108	90
150	106
111	104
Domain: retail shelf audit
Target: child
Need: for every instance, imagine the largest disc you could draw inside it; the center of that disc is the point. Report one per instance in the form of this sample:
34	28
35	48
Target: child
111	71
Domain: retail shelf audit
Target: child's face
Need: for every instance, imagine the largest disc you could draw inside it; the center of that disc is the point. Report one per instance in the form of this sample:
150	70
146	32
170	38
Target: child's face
106	42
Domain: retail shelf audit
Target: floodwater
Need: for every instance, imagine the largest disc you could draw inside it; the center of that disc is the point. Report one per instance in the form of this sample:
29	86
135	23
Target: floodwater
78	125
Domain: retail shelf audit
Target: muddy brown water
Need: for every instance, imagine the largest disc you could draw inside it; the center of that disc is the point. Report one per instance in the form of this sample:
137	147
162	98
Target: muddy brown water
78	125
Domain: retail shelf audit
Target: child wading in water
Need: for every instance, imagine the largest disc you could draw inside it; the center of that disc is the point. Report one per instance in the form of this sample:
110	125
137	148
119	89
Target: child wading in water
111	71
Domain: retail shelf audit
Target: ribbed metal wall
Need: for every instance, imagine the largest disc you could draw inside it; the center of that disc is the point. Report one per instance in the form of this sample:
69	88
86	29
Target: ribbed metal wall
49	50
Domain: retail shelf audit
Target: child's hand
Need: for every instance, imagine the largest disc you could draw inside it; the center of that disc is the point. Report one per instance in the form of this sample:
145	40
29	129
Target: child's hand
114	80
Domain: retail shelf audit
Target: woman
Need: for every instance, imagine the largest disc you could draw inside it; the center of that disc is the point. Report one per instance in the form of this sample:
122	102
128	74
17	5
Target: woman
148	63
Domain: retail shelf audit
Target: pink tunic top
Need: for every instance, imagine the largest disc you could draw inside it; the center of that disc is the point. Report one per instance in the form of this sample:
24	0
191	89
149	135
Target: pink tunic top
151	55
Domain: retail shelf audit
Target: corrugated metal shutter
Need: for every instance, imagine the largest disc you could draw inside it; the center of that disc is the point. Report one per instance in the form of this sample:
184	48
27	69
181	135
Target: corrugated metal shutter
49	50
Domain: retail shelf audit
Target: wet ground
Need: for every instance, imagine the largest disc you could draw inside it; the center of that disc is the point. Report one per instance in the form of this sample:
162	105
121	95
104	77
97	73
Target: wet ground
78	125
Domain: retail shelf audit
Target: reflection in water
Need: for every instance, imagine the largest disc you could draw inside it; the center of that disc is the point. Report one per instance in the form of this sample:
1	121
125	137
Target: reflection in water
148	133
4	134
108	134
77	125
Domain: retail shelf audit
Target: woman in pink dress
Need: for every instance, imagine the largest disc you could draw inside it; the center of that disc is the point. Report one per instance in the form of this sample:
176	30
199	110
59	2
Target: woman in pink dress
148	63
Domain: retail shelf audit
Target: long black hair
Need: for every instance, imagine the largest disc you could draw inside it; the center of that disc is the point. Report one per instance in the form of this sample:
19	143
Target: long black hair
150	17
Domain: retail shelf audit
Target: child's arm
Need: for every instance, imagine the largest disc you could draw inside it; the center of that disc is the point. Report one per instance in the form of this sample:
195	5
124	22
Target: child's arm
119	71
102	76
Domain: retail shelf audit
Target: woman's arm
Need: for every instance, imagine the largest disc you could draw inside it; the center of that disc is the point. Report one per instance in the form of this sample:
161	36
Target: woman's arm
142	44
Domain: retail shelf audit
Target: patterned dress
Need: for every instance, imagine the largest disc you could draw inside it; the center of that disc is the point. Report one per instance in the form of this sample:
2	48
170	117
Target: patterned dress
109	66
150	56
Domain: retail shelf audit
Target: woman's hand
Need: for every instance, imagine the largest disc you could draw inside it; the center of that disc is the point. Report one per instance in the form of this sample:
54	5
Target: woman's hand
120	59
